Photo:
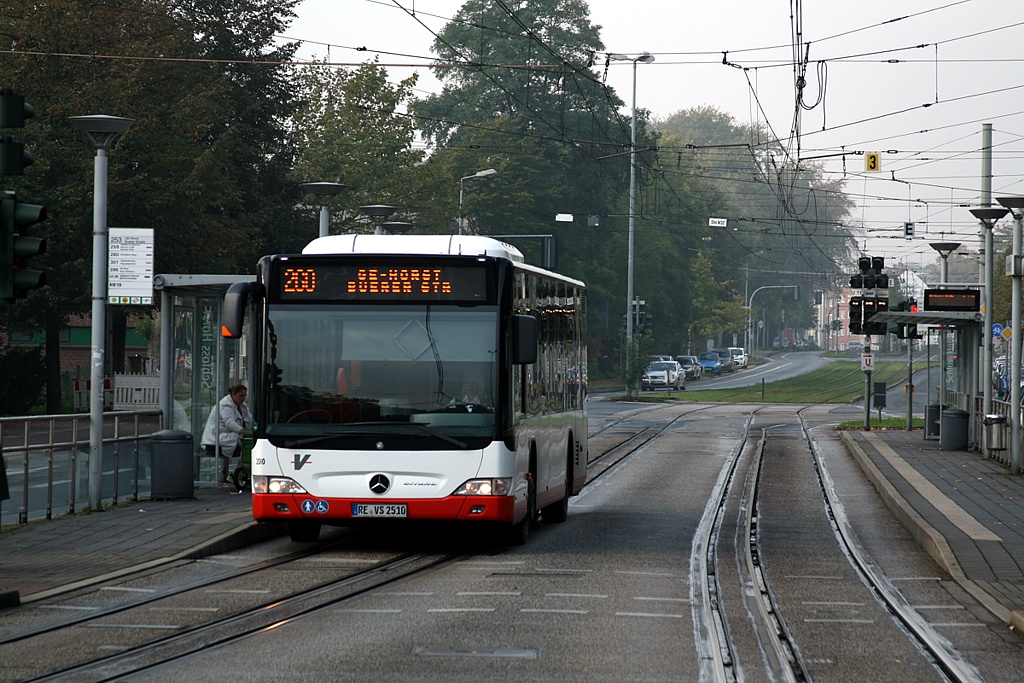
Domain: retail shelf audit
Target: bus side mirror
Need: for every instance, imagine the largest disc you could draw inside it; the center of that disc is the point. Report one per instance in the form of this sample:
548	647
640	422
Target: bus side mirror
233	314
524	340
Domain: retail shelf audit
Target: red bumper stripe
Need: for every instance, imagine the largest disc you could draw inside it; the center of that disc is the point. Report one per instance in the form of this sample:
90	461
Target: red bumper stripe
275	506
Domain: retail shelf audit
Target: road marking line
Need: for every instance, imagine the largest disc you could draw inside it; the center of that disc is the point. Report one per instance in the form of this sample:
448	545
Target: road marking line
962	519
840	621
556	611
649	615
596	596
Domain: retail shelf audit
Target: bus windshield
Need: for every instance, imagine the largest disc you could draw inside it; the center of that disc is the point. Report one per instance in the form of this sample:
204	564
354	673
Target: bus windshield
344	370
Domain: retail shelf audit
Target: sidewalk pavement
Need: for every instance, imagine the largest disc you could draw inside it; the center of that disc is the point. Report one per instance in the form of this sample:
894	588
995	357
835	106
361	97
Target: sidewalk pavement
48	557
966	511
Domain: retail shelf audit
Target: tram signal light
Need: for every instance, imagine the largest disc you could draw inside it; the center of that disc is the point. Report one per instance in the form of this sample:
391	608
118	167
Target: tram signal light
16	247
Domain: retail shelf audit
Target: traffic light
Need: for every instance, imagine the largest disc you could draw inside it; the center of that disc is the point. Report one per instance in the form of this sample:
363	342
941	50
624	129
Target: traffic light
912	332
868	307
13	112
16	247
273	376
856	315
871	307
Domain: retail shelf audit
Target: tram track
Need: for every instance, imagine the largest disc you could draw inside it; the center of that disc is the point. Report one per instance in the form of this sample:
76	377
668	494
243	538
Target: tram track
133	657
722	634
249	622
944	655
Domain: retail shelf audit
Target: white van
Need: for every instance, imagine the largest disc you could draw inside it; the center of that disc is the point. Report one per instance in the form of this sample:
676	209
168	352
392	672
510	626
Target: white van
739	356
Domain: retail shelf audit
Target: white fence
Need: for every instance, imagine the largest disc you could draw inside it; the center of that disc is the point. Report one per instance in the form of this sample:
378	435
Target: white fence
124	392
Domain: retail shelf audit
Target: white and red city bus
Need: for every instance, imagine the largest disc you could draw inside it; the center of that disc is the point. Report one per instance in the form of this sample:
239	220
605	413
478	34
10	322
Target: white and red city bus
363	347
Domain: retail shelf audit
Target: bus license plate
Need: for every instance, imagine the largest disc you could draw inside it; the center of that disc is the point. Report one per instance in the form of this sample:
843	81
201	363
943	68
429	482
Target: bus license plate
359	510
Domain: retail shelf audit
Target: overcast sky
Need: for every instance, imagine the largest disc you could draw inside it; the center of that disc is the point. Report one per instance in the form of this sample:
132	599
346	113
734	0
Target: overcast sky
912	79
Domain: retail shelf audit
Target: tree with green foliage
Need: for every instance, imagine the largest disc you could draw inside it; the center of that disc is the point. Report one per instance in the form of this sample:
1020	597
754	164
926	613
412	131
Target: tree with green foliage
349	130
521	94
205	163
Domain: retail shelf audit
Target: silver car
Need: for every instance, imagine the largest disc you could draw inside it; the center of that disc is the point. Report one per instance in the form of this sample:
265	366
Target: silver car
663	374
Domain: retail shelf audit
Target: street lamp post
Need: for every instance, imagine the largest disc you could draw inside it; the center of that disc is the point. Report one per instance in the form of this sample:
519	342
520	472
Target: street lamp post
1016	207
486	173
646	58
101	131
325	193
988	217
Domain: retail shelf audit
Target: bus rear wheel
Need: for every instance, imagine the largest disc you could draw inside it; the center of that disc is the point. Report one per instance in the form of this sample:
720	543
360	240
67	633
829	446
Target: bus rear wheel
303	531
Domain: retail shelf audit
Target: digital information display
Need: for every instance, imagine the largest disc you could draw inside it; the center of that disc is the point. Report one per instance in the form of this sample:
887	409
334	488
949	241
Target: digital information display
950	300
365	281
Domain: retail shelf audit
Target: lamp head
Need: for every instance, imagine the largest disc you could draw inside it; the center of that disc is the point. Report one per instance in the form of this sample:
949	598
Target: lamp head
378	210
989	214
326	190
1014	204
945	248
101	130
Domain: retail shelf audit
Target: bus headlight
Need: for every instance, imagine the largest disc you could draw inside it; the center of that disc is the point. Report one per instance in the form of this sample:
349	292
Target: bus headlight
485	487
263	484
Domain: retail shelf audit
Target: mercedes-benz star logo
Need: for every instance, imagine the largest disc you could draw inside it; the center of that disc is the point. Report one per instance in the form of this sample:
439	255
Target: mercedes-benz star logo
379	484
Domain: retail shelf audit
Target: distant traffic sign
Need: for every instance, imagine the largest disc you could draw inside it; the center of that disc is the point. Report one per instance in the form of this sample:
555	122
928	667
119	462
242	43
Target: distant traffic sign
718	222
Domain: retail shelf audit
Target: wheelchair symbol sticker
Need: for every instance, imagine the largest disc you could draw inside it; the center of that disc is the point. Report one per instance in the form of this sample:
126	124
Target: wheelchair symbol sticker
319	506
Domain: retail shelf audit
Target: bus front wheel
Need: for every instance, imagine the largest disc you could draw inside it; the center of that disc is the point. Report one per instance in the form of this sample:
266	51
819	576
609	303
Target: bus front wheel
520	531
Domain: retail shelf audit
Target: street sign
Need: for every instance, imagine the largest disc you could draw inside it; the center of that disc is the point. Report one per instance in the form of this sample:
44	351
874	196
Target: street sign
718	222
867	362
130	266
997	330
1007	333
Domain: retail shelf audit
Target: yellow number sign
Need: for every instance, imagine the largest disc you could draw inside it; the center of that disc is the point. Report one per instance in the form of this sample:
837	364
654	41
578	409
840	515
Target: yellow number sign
872	162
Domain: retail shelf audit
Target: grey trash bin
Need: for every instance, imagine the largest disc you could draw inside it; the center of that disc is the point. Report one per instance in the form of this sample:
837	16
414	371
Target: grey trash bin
995	432
932	411
172	464
953	430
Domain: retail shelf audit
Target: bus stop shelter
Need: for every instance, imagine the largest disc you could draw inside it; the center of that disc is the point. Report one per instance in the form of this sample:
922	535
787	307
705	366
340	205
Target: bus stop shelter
960	340
197	365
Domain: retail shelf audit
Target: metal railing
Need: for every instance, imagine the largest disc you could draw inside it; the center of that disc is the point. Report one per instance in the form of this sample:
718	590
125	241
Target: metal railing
46	459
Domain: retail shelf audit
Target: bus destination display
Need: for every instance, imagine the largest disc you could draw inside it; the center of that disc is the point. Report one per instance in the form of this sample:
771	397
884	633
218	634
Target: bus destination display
351	282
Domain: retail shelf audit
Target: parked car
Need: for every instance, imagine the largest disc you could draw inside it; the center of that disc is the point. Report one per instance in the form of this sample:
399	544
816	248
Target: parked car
663	374
692	369
739	356
710	362
727	364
